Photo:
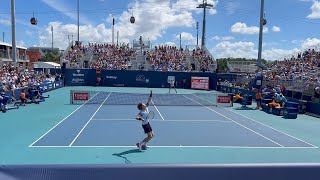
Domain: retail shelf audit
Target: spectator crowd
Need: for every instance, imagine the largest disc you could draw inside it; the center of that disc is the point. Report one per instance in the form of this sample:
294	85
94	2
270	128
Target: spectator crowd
12	78
121	57
168	58
107	56
298	73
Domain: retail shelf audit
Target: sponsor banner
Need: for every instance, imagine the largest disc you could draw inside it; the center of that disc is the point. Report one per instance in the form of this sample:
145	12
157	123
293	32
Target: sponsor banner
200	83
78	77
224	101
81	96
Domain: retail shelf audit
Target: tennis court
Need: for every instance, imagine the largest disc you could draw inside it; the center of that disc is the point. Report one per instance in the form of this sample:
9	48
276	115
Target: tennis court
188	129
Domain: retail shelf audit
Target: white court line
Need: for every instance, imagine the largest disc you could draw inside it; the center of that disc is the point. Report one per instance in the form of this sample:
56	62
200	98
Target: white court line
174	120
61	121
174	146
89	120
273	128
264	125
237	123
157	110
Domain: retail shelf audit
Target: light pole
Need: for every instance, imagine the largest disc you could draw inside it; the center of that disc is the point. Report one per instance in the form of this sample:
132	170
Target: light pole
78	20
204	5
13	28
52	37
262	23
180	41
197	34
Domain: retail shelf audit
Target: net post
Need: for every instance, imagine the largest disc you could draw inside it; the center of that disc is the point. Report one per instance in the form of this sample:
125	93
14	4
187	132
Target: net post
71	96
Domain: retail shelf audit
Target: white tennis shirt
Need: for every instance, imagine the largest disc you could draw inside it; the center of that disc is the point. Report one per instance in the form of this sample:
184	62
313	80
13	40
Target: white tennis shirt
144	115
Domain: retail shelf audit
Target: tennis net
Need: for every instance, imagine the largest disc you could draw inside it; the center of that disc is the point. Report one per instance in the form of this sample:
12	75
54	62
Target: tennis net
116	98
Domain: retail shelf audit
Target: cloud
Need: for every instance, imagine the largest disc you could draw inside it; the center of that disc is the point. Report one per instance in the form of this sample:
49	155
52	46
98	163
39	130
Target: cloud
21	43
275	54
225	38
242	28
309	43
149	24
248	50
61	7
276	29
185	36
212	11
237	49
294	41
5	22
169	44
28	33
190	5
315	10
231	7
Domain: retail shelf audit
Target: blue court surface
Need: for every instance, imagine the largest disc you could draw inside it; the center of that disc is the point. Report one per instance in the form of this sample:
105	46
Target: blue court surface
107	133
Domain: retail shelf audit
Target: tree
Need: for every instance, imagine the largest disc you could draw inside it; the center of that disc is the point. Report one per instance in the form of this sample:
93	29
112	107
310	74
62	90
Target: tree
51	57
222	63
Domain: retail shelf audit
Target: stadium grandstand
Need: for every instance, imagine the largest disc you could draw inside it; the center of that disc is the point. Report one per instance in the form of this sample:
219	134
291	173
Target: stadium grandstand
138	56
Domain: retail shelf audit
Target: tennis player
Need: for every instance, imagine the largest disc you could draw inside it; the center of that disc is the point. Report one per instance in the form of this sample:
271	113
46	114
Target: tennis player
142	116
172	85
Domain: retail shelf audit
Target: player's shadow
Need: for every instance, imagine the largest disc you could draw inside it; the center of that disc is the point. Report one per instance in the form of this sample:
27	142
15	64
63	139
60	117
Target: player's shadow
122	155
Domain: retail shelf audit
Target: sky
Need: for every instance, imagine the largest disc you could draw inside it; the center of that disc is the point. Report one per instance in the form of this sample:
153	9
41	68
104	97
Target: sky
232	25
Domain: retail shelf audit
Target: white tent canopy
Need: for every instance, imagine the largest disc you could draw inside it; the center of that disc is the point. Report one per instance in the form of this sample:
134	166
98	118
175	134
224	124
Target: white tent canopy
45	65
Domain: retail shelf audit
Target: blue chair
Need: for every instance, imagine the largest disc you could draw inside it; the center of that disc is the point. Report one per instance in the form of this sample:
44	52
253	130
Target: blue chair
291	104
264	105
290	113
246	101
278	111
265	108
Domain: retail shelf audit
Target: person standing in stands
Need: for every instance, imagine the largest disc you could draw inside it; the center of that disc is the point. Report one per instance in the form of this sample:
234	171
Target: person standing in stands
258	99
23	97
184	81
98	81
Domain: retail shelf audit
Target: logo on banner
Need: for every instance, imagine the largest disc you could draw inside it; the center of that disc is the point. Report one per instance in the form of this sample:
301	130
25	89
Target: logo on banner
224	99
111	77
78	74
118	85
81	96
141	78
77	80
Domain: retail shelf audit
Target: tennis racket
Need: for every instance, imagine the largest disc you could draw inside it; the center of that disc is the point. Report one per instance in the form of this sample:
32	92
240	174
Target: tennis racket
151	115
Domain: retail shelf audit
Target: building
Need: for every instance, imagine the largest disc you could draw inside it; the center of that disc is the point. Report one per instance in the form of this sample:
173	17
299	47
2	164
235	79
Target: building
6	55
